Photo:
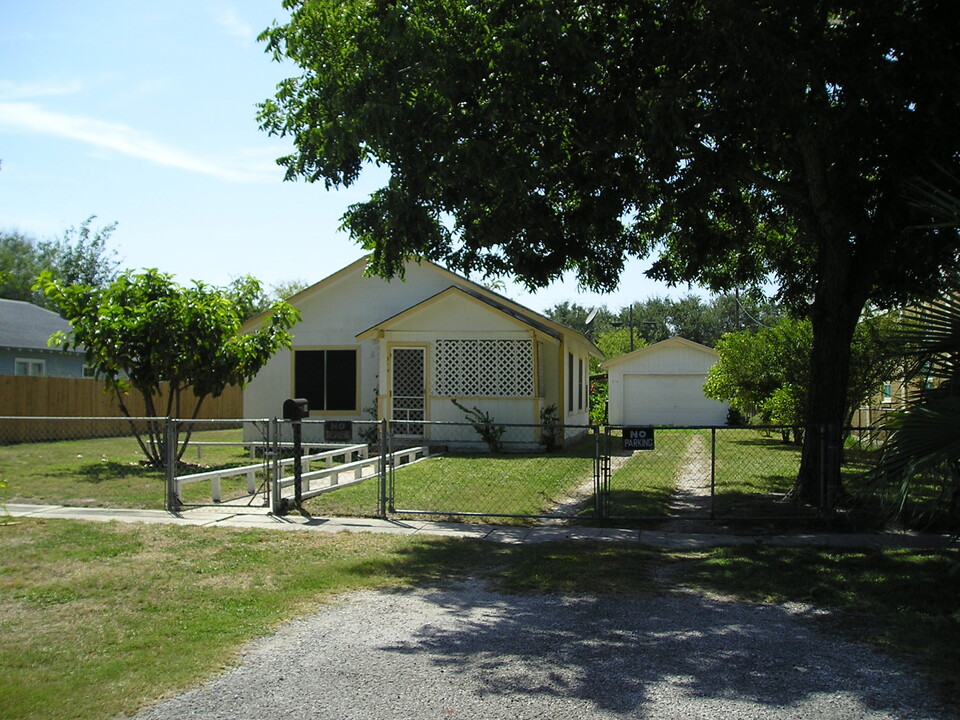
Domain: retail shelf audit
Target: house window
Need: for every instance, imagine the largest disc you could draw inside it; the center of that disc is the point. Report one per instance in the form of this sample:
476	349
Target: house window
886	392
33	368
327	379
569	382
579	383
484	368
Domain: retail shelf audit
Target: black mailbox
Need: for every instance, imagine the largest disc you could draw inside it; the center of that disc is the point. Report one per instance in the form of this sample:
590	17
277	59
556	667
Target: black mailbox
295	409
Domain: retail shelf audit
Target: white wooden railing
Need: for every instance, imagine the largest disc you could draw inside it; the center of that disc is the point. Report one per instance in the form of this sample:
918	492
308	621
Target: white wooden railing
344	455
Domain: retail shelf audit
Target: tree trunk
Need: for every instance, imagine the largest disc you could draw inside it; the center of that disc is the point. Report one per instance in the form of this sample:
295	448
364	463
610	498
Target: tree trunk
836	310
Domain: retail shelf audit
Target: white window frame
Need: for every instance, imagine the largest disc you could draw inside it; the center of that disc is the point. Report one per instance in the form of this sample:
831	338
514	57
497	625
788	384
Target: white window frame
32	365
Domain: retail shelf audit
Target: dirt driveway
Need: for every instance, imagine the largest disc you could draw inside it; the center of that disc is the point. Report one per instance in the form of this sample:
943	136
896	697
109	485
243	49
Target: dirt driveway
465	652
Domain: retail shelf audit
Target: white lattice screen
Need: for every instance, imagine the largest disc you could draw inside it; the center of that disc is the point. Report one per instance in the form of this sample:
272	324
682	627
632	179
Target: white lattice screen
484	368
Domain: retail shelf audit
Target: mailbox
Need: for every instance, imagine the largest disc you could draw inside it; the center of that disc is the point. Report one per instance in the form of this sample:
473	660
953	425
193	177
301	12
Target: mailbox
295	409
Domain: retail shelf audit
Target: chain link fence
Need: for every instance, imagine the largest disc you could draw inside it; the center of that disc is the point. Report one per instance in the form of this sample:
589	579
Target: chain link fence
457	471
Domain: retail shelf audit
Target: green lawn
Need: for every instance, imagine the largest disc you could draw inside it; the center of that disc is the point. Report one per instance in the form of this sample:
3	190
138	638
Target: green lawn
641	484
459	484
754	472
98	619
109	472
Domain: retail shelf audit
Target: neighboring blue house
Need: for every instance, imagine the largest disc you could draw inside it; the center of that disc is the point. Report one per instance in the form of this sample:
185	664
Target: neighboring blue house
24	331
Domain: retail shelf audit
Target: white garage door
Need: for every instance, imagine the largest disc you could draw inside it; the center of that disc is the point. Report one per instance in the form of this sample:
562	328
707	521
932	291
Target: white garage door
669	400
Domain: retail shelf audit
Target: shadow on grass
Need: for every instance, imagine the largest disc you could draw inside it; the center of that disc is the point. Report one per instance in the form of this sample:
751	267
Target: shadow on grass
105	471
901	600
596	639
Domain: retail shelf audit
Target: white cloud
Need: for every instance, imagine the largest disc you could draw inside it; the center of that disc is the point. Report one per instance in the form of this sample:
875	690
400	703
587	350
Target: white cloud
13	91
233	25
119	138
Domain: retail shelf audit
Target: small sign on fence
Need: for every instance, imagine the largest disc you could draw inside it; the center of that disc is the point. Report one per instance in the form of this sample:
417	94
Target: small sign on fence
638	438
338	431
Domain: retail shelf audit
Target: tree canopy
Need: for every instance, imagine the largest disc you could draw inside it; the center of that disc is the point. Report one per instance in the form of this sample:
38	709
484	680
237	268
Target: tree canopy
81	256
143	331
764	372
732	140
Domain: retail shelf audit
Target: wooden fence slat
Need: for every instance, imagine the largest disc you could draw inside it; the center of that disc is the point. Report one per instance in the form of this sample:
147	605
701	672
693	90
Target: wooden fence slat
84	397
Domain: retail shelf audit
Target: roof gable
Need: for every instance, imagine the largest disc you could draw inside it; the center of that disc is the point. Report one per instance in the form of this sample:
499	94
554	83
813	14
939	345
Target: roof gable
457	302
522	314
672	344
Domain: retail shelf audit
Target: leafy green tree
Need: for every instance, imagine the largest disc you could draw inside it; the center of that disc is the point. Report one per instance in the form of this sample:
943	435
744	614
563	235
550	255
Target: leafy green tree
142	330
19	267
287	288
921	458
766	372
616	342
734	140
81	256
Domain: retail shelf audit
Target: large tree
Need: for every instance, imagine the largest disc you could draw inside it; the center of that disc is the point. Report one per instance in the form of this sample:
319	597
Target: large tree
80	256
733	139
144	332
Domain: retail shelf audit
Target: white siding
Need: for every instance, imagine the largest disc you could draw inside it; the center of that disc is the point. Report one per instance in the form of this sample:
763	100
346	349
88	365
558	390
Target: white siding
663	385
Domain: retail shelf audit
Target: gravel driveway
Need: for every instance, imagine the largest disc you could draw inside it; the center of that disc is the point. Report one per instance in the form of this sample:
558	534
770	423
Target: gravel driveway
466	652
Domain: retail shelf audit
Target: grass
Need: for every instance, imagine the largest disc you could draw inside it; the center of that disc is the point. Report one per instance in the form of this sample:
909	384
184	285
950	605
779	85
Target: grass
755	469
108	472
459	484
98	619
641	486
903	602
754	472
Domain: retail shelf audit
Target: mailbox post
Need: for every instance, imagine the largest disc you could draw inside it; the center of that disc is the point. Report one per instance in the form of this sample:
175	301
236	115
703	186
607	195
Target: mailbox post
294	410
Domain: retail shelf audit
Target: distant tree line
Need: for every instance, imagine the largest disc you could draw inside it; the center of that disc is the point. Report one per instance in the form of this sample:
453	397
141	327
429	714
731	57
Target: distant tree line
83	256
660	318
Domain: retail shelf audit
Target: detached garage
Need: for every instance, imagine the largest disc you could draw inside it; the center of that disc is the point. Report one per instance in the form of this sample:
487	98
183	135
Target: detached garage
663	385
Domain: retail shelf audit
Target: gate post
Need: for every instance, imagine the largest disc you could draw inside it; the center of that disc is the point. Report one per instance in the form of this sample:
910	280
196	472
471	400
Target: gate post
713	472
382	501
273	441
170	460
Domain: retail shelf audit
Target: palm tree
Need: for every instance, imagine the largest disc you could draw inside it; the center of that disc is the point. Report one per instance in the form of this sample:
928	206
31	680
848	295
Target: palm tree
921	457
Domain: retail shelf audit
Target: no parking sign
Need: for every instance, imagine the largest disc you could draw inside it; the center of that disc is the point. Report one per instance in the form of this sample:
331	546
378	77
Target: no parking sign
638	438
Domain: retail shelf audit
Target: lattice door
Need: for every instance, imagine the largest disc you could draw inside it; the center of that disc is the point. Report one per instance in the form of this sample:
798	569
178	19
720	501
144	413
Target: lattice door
409	392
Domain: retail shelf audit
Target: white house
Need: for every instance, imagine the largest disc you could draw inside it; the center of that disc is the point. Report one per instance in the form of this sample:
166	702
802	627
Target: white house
662	384
368	348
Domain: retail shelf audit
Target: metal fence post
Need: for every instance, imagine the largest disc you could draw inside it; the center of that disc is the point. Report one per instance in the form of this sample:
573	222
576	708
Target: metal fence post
382	501
596	471
273	441
713	472
170	461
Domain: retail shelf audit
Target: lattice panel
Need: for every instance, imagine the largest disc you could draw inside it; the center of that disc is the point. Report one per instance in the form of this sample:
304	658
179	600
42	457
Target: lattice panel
408	372
484	368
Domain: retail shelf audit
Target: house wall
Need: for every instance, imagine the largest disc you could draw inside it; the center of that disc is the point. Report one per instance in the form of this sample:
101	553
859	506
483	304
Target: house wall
55	364
415	312
333	314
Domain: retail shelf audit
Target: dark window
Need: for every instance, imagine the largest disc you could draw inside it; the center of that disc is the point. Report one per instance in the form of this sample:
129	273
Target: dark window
326	378
579	383
570	382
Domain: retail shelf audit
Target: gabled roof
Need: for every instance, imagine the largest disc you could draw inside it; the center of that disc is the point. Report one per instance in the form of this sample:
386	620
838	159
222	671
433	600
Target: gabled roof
23	325
453	290
674	342
491	298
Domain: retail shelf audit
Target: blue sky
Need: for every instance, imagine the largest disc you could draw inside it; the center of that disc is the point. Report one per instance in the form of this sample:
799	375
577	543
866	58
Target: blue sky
144	113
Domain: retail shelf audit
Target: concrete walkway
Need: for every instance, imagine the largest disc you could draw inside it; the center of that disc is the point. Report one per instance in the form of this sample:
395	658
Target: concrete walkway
261	519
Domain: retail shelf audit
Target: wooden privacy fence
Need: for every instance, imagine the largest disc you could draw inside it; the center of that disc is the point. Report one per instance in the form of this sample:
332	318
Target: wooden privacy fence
57	397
